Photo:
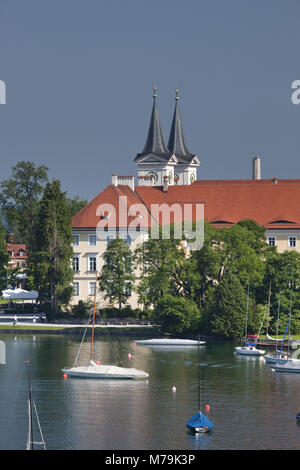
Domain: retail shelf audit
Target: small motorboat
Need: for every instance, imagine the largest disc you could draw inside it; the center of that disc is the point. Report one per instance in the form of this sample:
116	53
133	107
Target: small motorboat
249	351
170	342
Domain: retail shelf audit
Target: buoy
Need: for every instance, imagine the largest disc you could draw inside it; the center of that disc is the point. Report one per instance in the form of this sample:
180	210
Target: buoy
129	355
65	376
173	388
207	407
98	363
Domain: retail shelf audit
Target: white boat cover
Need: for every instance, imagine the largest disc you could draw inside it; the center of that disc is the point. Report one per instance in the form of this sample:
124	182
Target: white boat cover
105	372
170	342
273	339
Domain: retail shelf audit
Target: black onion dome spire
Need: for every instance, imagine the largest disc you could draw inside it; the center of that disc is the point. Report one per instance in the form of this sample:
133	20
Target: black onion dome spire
176	143
155	144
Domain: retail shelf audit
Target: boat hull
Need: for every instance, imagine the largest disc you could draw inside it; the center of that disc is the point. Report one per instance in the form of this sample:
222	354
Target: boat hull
249	351
272	359
292	365
170	342
105	372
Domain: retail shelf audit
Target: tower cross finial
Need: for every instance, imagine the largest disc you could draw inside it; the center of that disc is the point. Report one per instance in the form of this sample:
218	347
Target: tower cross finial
154	91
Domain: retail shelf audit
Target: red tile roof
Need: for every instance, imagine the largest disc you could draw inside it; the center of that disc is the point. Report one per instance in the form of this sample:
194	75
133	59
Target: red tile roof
99	208
16	248
273	203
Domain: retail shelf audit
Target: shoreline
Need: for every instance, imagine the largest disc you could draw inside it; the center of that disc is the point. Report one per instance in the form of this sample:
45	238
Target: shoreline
26	328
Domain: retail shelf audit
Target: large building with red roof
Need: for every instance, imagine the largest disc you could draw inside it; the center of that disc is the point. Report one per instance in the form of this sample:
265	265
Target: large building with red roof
167	178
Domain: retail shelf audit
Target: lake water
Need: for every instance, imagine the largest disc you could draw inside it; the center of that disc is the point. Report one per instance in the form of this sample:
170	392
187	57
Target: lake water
251	406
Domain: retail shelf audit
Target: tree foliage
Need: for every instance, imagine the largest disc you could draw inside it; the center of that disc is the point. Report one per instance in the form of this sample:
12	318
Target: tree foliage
117	275
19	199
177	315
50	260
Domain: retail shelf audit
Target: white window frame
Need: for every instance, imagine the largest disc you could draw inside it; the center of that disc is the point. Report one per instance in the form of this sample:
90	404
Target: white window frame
289	241
90	292
275	240
76	235
76	291
78	261
92	255
94	237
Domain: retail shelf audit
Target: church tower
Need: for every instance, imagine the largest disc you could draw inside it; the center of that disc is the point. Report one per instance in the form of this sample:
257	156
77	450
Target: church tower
159	164
156	163
187	163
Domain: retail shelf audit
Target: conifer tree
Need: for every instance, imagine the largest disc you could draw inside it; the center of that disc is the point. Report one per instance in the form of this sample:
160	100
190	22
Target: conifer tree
50	261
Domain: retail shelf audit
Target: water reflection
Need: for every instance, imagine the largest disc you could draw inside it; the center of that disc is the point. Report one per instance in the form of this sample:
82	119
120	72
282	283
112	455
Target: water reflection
246	398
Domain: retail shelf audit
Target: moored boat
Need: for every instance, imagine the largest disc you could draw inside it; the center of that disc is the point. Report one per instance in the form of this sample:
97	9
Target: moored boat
249	351
96	371
170	342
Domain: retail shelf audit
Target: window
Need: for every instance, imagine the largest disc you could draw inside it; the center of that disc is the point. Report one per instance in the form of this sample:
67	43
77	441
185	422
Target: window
76	239
92	263
127	238
76	263
109	238
272	241
92	286
128	288
292	242
92	240
76	288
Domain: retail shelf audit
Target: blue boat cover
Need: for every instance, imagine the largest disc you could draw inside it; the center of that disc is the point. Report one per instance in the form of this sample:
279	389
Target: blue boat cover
199	420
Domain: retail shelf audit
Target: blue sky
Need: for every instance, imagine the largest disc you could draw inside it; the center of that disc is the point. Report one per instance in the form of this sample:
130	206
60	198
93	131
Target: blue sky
79	77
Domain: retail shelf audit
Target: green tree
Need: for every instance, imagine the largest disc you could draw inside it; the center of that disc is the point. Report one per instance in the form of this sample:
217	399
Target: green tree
117	276
19	198
50	260
164	268
283	273
75	204
177	315
228	311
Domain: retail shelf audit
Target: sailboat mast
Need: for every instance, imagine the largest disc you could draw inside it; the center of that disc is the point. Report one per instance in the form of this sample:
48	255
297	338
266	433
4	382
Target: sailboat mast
199	400
247	306
290	320
268	314
30	427
93	326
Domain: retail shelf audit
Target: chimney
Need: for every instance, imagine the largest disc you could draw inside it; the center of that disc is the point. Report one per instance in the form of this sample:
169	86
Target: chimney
127	180
146	180
165	186
256	173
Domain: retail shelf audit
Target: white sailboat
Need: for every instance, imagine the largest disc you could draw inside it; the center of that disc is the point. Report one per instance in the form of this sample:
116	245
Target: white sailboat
96	371
250	348
273	357
32	411
288	364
